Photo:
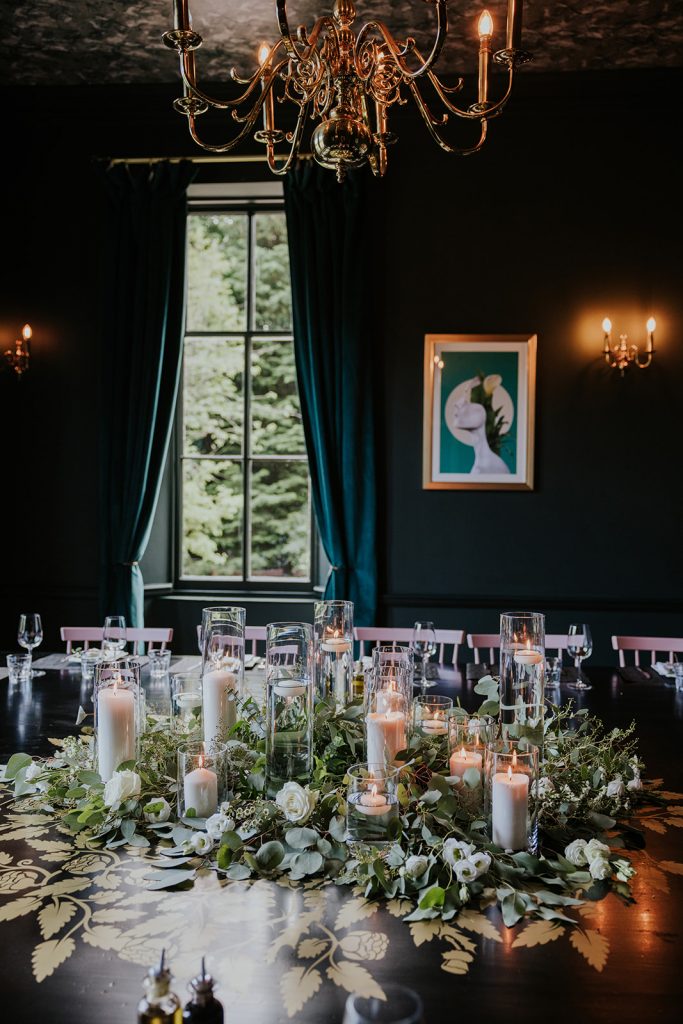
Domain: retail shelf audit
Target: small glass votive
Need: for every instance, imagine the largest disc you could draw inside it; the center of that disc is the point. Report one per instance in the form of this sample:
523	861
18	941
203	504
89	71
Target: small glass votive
401	1005
119	714
468	736
553	671
186	703
511	780
159	662
199	781
371	805
430	715
89	658
19	667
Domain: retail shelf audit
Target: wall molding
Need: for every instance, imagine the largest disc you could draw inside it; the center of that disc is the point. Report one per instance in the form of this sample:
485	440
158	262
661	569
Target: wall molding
593	604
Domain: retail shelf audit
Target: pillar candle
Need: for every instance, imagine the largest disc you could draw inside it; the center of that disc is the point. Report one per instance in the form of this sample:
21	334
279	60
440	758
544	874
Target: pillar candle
115	729
509	811
463	759
385	735
201	791
435	726
218	707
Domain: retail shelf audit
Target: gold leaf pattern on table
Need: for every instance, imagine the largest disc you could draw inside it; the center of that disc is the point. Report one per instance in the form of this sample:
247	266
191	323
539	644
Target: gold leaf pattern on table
54	916
472	921
354	978
297	986
653	825
672	866
424	931
675	810
310	948
364	945
456	961
355	910
47	956
537	934
656	878
398	908
675	822
19	834
591	945
22	906
668	795
16	880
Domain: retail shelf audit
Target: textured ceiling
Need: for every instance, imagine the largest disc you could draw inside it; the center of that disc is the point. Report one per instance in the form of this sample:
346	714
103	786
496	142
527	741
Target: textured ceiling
114	41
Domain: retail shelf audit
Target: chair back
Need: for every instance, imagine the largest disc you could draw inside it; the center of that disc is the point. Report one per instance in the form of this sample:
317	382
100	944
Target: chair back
491	641
651	644
255	634
373	635
80	634
151	636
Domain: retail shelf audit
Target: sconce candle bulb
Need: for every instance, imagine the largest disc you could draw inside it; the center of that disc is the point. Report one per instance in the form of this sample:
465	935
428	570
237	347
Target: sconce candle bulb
623	355
19	357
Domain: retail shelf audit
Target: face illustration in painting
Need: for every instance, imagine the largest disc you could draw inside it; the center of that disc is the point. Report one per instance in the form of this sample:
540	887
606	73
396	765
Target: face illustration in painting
471	416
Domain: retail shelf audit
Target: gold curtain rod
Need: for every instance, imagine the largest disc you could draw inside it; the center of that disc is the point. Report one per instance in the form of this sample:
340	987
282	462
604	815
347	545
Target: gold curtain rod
229	158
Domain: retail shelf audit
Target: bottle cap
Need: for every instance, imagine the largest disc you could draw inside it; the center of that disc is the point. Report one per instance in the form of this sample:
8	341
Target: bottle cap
158	980
201	987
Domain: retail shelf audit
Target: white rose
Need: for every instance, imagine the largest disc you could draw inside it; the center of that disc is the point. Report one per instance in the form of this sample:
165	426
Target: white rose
464	870
157	811
201	843
295	802
416	866
615	788
121	787
33	771
600	868
217	824
635	783
481	862
576	853
596	849
455	850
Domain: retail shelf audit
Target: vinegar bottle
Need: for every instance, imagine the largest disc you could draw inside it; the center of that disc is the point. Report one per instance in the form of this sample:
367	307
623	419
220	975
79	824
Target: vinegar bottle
159	1005
203	1008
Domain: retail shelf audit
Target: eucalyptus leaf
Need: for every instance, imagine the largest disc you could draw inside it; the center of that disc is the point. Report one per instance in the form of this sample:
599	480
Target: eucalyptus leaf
238	872
15	763
301	838
270	855
306	863
167	879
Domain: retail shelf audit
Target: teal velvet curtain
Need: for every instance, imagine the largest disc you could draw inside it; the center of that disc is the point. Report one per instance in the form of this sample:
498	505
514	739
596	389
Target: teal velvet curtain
330	259
142	337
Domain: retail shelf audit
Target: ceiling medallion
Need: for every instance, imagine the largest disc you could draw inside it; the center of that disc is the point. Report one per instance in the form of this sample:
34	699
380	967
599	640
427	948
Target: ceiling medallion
345	80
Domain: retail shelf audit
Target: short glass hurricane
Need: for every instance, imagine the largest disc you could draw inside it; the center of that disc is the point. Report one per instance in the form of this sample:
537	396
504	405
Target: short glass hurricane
90	657
333	624
200	789
159	663
371	805
511	806
19	667
118	714
468	736
430	715
289	704
186	703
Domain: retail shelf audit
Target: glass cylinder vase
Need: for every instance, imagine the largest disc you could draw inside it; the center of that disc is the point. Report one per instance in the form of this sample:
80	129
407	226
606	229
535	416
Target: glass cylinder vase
387	719
430	715
334	639
371	805
511	773
200	788
222	634
468	737
186	703
522	671
289	704
118	714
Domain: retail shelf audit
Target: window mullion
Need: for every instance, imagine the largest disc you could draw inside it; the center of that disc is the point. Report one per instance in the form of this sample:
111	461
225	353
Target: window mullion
246	476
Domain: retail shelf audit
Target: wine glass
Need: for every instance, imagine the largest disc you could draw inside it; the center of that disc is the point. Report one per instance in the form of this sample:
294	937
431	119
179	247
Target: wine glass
113	635
579	646
30	635
424	646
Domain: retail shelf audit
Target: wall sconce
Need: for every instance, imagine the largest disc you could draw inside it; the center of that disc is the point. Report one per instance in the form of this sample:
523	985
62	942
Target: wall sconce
623	355
20	356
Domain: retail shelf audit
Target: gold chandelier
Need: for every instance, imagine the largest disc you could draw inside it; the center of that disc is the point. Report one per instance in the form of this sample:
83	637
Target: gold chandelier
345	80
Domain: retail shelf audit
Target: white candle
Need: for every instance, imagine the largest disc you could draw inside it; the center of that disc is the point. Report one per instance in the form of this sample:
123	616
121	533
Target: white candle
187	701
336	644
385	735
201	791
218	707
389	699
527	657
510	803
373	802
463	759
434	726
290	688
115	729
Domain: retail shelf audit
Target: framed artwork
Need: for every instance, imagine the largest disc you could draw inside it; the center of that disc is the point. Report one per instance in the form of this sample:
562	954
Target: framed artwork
479	392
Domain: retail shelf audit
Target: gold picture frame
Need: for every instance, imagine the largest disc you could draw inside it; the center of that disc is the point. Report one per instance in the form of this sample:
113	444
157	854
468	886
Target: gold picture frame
479	401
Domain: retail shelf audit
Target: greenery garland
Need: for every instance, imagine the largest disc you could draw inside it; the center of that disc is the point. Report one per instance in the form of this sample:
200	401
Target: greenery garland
442	860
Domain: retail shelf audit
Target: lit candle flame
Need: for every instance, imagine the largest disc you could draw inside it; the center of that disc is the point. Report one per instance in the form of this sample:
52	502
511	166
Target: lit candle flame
27	333
485	24
607	325
200	760
373	791
263	52
514	760
462	751
509	774
651	325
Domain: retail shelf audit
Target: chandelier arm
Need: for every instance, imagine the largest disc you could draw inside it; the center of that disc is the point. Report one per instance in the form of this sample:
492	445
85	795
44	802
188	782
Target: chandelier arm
294	149
398	52
311	39
471	115
432	123
189	78
249	122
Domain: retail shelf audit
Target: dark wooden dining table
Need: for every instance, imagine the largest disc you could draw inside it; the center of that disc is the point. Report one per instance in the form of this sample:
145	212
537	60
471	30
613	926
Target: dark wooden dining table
79	927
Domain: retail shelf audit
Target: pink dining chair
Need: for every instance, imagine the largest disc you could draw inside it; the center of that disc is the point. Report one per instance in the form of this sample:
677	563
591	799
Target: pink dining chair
479	641
373	635
80	634
254	634
149	635
671	644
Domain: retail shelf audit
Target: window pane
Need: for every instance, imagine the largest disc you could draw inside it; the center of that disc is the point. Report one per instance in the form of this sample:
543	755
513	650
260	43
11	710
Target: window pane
272	289
275	412
212	518
281	520
213	402
217	272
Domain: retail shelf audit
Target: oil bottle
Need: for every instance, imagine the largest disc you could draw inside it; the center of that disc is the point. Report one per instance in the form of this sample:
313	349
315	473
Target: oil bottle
159	1005
203	1008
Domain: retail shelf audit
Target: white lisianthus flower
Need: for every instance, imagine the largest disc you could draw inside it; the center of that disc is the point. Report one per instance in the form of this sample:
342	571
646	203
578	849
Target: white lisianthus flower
464	893
481	861
623	869
576	853
33	772
455	850
416	866
217	824
296	802
464	870
615	788
201	843
157	811
600	868
635	783
596	849
122	786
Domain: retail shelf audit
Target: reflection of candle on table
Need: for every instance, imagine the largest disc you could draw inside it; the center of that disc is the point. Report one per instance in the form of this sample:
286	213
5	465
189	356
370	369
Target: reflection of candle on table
435	726
290	687
509	812
373	802
218	709
115	729
385	735
463	759
201	790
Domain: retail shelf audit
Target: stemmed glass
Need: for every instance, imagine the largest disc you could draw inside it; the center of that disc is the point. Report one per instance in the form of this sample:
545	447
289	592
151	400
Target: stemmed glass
113	635
424	646
30	635
579	646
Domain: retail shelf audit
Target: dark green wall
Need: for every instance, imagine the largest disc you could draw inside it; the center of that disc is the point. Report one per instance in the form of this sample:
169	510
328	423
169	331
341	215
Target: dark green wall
569	213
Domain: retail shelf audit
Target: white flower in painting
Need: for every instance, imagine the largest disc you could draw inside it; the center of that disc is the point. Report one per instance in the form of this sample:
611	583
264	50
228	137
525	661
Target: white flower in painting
416	866
615	788
157	811
596	849
217	824
600	868
296	802
122	786
455	850
576	853
201	843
